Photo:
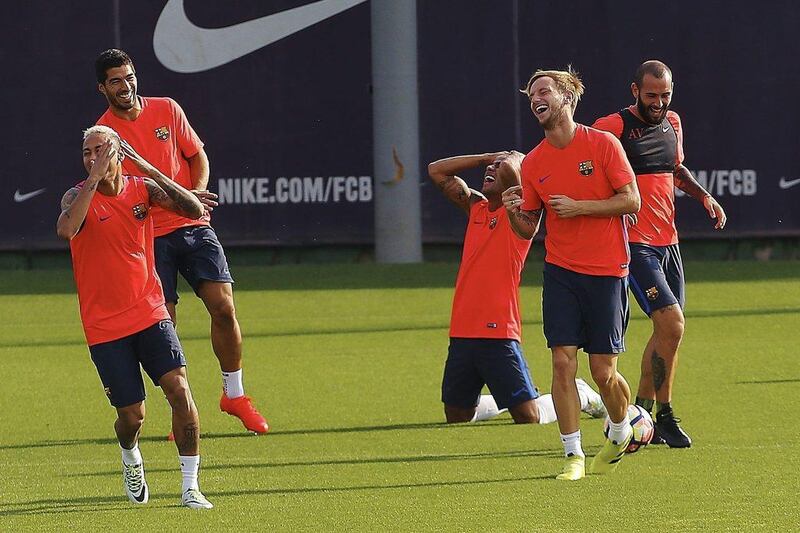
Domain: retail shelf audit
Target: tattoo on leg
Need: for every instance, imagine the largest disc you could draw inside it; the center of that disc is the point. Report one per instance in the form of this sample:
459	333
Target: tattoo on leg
191	432
659	370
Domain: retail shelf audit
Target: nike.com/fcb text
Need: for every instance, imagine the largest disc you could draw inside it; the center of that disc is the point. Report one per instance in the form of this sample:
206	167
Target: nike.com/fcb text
295	190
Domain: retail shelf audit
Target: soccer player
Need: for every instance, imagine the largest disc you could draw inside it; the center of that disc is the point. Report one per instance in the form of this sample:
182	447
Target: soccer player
485	326
107	220
158	129
580	177
652	137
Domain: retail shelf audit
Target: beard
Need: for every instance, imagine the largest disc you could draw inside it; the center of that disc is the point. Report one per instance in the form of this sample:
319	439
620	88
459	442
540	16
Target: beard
555	118
647	115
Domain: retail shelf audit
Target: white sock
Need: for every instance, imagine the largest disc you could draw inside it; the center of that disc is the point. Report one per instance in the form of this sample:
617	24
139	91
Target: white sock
190	466
132	456
619	431
572	444
547	411
486	408
232	384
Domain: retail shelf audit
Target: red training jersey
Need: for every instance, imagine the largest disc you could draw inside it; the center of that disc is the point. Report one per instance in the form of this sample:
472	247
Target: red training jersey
163	136
486	300
591	167
112	258
654	151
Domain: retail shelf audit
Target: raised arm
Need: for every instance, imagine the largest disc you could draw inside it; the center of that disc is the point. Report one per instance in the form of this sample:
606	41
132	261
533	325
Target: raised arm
685	181
163	191
443	174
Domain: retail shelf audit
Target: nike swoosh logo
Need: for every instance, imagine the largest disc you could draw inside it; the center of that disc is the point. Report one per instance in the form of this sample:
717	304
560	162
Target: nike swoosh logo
103	219
21	197
184	47
665	128
139	497
520	391
542	179
786	184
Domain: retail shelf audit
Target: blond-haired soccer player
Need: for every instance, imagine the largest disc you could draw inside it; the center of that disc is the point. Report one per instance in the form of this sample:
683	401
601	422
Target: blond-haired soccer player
107	220
581	179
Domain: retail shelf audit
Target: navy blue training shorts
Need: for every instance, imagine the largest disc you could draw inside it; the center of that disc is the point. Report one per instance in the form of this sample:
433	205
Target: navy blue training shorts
157	349
656	276
497	363
590	312
196	253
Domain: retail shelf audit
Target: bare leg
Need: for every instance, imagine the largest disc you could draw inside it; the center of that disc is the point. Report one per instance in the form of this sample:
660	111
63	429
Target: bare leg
185	421
612	386
226	337
564	390
456	415
661	354
128	424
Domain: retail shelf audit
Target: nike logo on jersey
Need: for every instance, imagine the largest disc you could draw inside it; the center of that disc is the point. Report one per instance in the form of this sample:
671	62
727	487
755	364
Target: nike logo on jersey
665	128
21	197
544	178
181	46
103	219
787	184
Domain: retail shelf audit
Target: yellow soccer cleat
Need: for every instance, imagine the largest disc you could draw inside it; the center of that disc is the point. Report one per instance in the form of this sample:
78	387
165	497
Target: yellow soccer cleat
609	456
574	469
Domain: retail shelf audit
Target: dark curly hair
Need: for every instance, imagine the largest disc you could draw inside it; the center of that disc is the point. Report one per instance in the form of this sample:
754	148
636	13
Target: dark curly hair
111	58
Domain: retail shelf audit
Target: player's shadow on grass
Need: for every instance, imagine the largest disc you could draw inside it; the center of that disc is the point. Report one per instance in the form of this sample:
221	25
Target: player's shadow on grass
81	504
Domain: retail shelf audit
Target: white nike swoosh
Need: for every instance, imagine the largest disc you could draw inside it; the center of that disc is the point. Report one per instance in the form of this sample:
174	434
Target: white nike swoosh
183	47
785	184
20	197
665	129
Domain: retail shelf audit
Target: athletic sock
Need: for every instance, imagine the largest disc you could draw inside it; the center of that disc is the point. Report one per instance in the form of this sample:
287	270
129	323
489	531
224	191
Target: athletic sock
645	404
663	407
486	408
572	444
547	411
132	456
190	466
619	431
232	384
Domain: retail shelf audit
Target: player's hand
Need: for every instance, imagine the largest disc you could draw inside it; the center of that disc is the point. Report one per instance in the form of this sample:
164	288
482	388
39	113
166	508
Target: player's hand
104	162
138	160
564	206
715	211
512	198
630	219
207	198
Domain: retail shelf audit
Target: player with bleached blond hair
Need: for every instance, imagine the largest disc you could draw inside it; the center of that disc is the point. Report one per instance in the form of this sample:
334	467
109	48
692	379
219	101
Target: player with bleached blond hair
581	179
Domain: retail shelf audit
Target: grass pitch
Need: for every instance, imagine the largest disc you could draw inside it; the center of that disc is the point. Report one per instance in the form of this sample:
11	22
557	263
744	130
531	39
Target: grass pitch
346	361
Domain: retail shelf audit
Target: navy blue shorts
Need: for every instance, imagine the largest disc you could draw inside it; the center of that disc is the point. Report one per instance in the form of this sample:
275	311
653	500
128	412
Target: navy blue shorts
497	363
196	253
590	312
656	276
157	349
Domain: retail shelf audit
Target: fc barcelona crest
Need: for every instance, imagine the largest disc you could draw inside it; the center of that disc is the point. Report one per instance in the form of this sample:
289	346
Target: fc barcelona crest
652	293
585	167
162	133
493	223
140	211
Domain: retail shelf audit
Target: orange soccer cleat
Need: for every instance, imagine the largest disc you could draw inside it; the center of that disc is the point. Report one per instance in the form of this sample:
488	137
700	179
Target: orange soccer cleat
243	408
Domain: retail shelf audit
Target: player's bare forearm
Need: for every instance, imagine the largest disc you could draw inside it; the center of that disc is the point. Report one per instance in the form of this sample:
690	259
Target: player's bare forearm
685	181
74	207
167	194
199	170
525	223
443	174
625	201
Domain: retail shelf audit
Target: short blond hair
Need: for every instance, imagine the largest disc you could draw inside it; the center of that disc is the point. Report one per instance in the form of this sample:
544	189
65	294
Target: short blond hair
109	133
567	81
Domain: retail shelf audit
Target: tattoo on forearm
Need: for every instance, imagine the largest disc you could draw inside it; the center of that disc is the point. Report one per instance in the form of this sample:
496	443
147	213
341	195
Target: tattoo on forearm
529	218
659	370
686	182
170	197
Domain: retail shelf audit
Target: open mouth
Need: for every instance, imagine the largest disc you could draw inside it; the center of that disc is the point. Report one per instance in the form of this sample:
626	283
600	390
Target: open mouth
541	108
126	96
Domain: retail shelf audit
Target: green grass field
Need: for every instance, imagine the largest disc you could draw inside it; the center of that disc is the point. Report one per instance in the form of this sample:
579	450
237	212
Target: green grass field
346	362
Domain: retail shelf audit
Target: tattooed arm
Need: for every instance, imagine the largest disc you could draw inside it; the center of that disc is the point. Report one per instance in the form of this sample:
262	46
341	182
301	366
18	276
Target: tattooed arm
686	182
443	174
524	223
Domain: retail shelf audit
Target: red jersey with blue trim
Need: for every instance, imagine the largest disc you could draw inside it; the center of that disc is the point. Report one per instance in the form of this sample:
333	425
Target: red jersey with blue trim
486	300
591	167
112	258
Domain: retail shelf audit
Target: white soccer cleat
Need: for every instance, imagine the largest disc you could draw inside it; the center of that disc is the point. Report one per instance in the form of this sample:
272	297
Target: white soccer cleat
594	406
135	485
194	499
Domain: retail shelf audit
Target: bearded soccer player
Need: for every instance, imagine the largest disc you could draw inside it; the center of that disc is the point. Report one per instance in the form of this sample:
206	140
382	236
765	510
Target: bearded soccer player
158	129
652	137
485	326
580	177
108	222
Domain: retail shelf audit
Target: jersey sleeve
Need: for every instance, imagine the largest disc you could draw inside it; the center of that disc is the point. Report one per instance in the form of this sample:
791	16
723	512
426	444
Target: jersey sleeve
611	123
188	141
530	198
618	169
675	120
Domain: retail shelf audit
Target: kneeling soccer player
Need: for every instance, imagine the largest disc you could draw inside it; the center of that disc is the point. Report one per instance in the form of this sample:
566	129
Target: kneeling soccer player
106	219
485	325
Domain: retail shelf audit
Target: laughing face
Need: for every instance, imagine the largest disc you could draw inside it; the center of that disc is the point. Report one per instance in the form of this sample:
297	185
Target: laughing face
491	185
653	97
548	104
120	87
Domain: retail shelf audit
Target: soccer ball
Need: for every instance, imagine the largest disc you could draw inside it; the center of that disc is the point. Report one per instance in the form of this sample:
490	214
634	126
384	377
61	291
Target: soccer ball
642	425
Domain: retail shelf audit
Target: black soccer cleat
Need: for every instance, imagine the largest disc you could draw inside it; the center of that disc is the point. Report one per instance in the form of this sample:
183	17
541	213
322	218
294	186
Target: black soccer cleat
668	428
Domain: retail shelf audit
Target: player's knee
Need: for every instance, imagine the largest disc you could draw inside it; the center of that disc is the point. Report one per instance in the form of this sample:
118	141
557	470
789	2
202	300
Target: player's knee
525	413
670	324
180	397
562	367
458	415
603	375
223	312
131	419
